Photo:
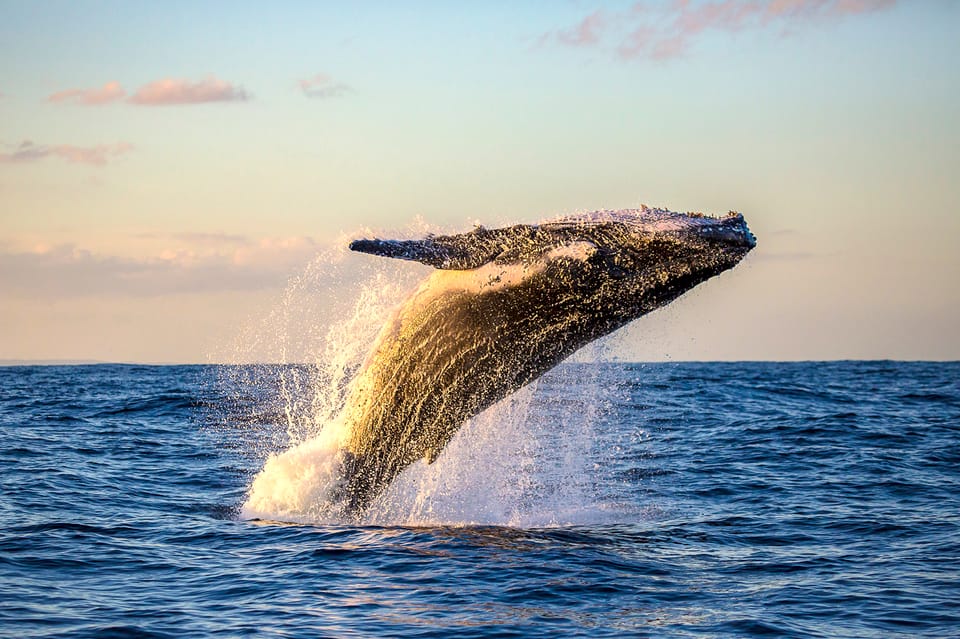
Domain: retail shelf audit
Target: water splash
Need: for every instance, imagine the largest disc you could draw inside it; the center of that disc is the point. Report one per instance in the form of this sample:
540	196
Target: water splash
523	462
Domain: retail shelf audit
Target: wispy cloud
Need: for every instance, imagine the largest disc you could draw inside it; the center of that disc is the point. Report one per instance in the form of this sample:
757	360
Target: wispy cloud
672	30
109	92
323	86
587	32
172	91
98	155
168	91
69	271
213	239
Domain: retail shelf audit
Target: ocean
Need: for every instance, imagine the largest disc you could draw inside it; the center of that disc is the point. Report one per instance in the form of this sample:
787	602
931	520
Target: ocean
607	500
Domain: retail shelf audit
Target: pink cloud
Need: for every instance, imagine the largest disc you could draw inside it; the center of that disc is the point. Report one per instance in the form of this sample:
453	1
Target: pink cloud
587	32
811	8
323	86
109	92
98	155
670	31
730	15
170	91
65	270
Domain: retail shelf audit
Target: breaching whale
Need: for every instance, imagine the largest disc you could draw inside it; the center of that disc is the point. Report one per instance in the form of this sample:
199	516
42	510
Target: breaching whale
503	307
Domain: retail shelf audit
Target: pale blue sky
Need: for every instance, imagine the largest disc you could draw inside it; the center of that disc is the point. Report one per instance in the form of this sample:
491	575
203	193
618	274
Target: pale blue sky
833	130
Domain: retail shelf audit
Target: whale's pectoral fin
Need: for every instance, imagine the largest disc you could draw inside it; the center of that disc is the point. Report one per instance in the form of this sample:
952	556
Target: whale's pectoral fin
426	251
453	252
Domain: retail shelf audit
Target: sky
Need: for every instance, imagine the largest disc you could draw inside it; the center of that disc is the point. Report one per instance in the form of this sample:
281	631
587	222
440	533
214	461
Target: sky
170	170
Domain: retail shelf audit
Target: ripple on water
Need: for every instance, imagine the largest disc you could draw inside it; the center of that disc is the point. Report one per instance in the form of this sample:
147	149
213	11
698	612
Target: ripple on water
714	500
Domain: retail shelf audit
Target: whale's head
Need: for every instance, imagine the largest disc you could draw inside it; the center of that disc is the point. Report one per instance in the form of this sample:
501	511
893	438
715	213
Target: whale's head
639	259
642	233
656	245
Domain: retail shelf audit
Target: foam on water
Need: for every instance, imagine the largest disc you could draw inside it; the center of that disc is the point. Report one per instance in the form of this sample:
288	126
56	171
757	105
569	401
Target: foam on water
295	485
513	464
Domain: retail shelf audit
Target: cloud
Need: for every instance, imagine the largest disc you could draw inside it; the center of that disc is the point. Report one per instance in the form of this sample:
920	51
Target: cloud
67	271
98	155
672	30
323	86
171	91
587	32
212	239
109	92
209	239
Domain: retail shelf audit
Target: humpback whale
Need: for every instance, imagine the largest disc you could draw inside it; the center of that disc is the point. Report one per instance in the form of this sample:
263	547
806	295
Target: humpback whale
503	307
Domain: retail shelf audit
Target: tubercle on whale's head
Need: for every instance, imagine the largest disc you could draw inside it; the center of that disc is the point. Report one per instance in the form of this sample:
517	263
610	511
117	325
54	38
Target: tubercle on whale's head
651	249
648	224
728	231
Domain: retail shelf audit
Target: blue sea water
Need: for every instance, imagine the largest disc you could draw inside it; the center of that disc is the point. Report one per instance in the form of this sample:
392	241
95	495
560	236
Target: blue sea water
712	500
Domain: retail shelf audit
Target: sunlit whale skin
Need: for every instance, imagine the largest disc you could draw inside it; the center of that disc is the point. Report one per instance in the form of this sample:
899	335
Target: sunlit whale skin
505	306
